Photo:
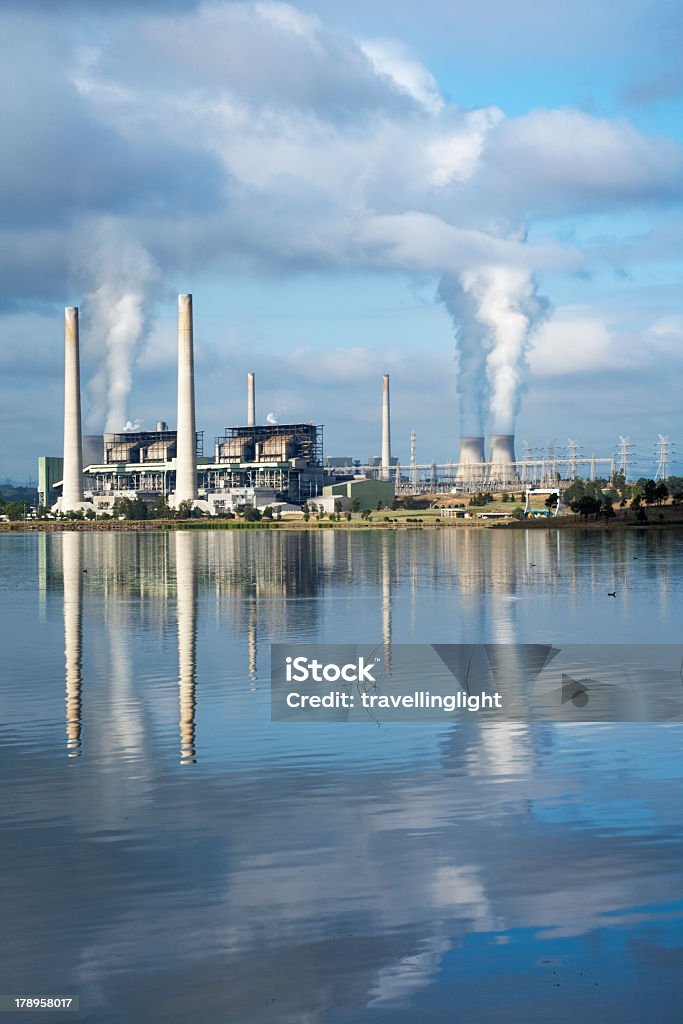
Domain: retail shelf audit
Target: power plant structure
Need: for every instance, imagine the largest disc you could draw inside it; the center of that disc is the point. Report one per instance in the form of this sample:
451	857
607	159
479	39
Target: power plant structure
386	429
267	464
72	497
472	461
260	465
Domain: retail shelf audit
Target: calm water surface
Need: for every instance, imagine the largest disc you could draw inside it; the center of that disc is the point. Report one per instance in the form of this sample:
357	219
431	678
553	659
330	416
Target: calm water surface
170	855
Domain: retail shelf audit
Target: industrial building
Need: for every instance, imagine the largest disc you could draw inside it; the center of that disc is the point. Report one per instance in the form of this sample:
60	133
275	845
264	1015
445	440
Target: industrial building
369	493
260	465
50	473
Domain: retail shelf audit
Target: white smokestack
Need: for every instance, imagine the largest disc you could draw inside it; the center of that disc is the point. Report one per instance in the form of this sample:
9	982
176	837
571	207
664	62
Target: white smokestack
502	457
72	487
251	401
186	461
471	459
386	429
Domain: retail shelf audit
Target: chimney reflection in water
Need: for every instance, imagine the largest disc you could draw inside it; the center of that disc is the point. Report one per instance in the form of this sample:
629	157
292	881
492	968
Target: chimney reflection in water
252	642
385	562
186	603
72	571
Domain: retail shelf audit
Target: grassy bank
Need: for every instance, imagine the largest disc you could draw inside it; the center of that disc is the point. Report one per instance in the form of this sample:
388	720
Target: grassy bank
160	525
428	519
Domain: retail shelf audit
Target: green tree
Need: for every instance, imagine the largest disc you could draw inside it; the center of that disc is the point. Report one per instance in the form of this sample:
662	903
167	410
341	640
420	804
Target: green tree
517	513
619	481
130	508
650	492
661	492
159	509
607	509
586	506
575	491
355	504
15	510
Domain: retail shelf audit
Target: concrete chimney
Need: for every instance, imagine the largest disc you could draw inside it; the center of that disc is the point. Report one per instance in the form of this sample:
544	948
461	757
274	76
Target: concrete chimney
471	460
502	458
251	401
386	429
72	486
186	459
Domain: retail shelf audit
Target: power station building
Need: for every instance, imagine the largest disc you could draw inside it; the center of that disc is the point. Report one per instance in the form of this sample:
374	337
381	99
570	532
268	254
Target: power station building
253	464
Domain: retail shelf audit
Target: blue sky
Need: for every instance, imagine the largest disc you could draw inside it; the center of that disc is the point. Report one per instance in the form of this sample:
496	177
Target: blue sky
311	173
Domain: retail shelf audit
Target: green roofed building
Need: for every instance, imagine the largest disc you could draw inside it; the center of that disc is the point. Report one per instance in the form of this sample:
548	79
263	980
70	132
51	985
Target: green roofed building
368	491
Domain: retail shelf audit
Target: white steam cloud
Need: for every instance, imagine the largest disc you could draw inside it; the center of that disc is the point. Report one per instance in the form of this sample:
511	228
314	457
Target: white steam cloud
117	318
495	310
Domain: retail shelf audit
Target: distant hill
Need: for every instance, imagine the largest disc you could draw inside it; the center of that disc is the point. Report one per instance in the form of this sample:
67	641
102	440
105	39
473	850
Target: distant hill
14	492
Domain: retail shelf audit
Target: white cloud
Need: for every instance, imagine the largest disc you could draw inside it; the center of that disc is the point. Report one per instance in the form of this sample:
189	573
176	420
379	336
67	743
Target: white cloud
572	341
390	58
258	136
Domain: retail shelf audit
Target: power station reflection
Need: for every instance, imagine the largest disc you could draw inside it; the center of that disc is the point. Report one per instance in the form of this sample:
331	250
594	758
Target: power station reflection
451	586
72	570
186	603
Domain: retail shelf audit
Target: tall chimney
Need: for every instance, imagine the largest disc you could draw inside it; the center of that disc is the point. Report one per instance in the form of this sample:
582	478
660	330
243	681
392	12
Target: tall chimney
386	429
251	401
186	459
72	486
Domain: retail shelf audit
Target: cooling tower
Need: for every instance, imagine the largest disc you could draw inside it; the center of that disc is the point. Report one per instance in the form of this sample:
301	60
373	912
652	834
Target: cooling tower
386	429
251	401
502	458
471	460
72	485
186	460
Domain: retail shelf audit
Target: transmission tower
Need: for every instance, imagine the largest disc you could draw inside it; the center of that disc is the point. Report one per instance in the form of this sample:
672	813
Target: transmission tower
624	456
663	453
551	465
413	460
527	472
573	455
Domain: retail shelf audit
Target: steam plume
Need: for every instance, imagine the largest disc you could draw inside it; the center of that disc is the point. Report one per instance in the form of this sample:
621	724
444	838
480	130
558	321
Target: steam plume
117	311
495	310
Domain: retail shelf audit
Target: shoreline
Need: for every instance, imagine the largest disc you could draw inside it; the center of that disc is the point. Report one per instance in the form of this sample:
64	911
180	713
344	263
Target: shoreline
428	523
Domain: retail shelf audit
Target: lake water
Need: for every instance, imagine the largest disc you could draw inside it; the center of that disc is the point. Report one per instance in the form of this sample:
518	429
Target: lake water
169	854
